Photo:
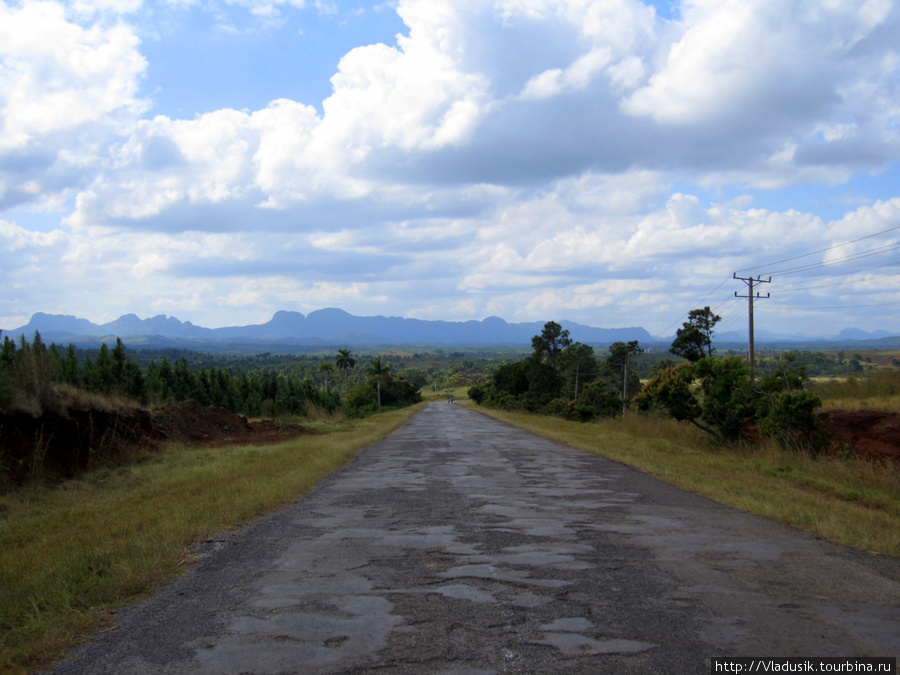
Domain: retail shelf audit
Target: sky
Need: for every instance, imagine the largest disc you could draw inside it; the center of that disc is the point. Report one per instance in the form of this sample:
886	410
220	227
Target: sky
611	162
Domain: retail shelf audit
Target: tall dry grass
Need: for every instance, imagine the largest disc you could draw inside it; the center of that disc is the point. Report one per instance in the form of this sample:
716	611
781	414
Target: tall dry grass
879	390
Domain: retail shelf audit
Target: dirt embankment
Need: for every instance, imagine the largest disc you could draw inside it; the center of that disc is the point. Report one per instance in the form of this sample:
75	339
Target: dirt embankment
62	444
868	433
193	424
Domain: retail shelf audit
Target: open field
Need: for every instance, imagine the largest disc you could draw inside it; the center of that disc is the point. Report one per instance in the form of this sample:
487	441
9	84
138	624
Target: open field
854	502
70	556
879	390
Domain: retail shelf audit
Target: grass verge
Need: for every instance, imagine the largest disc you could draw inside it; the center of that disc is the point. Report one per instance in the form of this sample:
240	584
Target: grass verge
849	501
458	393
71	555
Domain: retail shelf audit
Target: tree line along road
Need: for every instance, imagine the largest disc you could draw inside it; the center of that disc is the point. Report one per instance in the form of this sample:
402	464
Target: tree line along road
462	545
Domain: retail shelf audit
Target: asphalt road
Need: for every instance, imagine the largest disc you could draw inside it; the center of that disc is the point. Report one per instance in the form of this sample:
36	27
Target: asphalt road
462	545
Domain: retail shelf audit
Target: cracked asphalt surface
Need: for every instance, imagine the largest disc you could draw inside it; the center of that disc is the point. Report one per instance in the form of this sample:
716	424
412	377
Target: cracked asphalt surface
462	545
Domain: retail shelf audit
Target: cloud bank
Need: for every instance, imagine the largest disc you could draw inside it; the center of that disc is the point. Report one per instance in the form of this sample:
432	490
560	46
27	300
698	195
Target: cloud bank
533	159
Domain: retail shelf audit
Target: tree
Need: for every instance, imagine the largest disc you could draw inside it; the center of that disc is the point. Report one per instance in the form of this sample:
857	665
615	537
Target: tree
713	394
693	340
545	361
674	391
577	367
7	354
34	372
326	369
601	398
617	371
68	367
728	401
786	411
671	389
550	343
511	378
416	377
344	362
543	383
378	370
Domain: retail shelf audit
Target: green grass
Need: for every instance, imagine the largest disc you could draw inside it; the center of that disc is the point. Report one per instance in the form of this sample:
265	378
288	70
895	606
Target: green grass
458	393
851	502
71	555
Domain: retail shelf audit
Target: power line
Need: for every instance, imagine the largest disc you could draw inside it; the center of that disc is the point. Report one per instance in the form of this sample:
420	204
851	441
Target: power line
855	256
806	255
844	307
667	328
787	289
879	250
727	309
837	283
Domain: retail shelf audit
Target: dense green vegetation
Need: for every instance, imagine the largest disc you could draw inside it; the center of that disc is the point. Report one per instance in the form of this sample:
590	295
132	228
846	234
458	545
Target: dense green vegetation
721	396
63	413
256	384
260	385
564	378
32	369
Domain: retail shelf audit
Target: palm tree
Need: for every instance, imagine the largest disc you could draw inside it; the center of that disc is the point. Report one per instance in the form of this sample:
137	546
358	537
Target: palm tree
378	369
326	369
344	361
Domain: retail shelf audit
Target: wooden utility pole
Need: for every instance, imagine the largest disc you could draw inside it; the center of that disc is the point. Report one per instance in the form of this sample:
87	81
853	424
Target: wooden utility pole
750	281
577	368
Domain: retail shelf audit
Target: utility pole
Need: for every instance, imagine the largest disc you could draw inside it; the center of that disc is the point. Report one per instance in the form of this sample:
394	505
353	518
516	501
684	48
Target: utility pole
577	368
750	281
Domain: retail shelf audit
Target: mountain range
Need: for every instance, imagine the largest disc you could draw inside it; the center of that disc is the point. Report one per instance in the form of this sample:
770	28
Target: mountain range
324	327
335	327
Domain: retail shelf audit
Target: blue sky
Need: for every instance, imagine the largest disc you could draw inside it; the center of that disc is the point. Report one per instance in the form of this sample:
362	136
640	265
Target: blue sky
611	162
201	60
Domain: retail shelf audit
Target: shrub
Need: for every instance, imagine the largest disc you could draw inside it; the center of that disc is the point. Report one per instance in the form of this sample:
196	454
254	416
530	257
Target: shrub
790	418
478	393
584	412
728	404
511	378
506	401
7	394
716	396
601	398
396	392
559	407
670	390
362	395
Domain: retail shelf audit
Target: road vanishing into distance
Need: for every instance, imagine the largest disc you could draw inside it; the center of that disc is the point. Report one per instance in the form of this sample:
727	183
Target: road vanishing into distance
462	545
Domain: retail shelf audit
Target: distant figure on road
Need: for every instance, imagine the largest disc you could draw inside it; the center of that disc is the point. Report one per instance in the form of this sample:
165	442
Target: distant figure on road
450	399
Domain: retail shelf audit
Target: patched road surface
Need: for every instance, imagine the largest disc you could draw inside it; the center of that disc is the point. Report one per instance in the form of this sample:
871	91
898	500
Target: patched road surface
462	545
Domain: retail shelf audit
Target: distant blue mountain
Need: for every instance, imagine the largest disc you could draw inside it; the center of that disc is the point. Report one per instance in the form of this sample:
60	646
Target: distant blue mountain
323	327
335	327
